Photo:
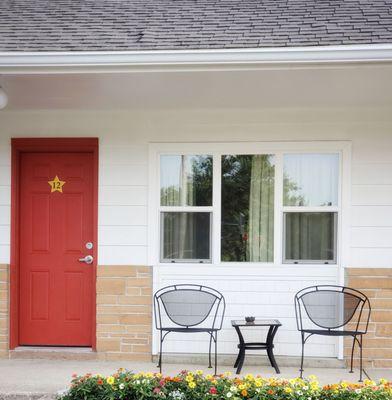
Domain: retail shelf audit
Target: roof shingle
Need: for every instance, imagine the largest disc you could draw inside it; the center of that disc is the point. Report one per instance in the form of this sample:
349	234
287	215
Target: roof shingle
98	25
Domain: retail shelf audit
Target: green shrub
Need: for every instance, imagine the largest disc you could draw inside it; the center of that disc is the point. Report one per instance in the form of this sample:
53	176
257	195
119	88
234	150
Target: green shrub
196	386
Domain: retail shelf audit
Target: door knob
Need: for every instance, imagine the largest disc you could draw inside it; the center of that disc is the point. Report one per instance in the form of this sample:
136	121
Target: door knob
88	259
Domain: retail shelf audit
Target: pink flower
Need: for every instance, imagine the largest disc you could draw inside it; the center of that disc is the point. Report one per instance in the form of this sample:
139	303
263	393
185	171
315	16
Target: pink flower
213	390
162	382
157	390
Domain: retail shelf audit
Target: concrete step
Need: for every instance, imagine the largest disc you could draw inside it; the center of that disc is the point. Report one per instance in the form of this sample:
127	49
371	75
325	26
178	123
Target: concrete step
53	353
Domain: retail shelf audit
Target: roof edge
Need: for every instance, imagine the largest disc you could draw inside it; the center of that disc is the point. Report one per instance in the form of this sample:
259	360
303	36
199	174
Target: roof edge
124	61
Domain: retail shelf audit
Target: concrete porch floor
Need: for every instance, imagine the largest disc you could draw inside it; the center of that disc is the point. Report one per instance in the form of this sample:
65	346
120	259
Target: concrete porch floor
42	379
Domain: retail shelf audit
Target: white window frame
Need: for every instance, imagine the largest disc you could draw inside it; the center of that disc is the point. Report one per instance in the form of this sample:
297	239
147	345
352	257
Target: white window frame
278	149
314	209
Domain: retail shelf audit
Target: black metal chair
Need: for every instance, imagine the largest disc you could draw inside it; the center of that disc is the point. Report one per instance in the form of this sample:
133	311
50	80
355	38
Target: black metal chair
189	309
332	311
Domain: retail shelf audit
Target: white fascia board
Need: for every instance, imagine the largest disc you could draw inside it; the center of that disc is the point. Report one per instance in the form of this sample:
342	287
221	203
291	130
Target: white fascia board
232	59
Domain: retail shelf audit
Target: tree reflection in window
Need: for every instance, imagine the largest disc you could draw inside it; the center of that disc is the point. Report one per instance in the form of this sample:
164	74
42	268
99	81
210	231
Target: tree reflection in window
247	230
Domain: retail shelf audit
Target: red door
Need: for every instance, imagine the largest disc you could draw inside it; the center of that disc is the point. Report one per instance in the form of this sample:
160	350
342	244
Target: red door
56	225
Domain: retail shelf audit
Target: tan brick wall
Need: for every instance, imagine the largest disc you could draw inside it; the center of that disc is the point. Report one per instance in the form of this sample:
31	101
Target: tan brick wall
124	312
4	307
376	283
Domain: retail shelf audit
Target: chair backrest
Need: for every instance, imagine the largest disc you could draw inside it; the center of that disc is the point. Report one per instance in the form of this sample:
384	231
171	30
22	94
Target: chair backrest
189	306
332	307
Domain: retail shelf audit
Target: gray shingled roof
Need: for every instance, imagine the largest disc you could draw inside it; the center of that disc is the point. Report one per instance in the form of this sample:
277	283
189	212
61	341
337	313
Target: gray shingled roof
88	25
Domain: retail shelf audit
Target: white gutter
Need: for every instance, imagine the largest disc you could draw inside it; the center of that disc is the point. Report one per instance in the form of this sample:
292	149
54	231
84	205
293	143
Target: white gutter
232	59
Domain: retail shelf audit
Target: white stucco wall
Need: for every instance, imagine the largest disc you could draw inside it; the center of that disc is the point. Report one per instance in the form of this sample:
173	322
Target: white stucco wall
123	196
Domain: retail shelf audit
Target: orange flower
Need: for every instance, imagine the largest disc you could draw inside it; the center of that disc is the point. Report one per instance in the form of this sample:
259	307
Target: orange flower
270	391
99	381
244	392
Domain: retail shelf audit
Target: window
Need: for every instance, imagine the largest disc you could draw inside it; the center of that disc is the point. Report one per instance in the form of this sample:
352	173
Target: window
310	199
186	195
249	207
247	212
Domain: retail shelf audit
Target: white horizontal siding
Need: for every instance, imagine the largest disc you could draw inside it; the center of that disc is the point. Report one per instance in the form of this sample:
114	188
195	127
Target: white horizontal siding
380	257
5	201
370	237
371	195
5	215
264	292
367	216
4	235
118	155
123	196
123	215
123	235
5	195
121	255
122	229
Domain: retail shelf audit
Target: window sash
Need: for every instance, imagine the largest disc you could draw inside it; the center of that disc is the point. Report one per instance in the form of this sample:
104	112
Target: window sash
183	260
335	232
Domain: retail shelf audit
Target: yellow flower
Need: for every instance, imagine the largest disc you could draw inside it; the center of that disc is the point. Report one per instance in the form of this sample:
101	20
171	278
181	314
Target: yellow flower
242	386
214	381
258	383
244	392
199	372
344	384
369	382
249	377
110	380
149	375
383	381
314	385
288	390
209	376
192	385
228	373
189	378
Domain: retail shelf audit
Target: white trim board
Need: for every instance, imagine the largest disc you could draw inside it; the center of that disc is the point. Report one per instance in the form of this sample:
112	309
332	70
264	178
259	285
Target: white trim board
219	59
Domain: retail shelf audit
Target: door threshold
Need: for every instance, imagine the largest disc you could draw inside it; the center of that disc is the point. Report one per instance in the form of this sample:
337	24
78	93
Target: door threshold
59	349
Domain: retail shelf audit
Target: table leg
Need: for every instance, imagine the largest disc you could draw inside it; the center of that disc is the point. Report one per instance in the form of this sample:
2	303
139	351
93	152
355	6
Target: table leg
270	345
241	358
237	359
241	354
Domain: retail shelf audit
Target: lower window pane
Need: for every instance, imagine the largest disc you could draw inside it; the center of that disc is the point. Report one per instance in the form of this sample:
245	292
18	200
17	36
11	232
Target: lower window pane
186	236
310	237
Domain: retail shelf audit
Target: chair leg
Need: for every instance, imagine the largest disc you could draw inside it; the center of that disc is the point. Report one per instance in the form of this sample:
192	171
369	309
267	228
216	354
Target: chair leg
360	359
160	353
216	353
302	354
209	351
352	355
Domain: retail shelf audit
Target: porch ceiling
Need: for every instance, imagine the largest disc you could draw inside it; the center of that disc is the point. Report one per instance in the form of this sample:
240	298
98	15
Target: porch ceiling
354	85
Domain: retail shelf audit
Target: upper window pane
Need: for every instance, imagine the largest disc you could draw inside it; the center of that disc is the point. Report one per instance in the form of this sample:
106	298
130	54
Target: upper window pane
186	180
311	180
247	208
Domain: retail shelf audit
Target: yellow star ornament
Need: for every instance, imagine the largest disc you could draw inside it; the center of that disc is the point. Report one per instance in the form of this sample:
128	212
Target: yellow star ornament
56	185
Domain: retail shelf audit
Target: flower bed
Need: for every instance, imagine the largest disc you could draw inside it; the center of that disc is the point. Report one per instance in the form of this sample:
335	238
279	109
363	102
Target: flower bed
196	386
